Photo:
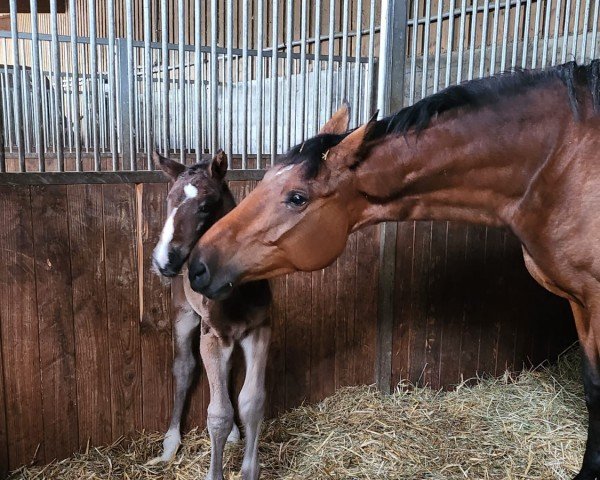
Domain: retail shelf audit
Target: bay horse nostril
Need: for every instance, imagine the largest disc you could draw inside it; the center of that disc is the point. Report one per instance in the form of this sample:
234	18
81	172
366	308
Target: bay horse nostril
199	275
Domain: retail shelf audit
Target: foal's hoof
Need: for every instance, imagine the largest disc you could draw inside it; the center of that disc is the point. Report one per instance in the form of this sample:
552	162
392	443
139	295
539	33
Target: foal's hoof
234	436
170	446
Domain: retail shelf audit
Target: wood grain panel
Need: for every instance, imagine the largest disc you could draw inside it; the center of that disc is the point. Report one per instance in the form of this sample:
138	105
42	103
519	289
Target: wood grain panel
120	246
155	312
86	237
55	316
20	341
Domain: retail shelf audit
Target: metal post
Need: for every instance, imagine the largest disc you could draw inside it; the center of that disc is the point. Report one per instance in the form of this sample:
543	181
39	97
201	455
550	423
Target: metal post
148	86
329	88
94	80
274	81
182	103
37	95
198	80
259	75
229	79
129	92
124	105
58	111
244	85
317	67
214	84
164	31
112	94
391	98
17	85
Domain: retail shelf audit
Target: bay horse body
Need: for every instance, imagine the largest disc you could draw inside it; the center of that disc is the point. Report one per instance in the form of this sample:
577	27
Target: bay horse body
520	150
199	197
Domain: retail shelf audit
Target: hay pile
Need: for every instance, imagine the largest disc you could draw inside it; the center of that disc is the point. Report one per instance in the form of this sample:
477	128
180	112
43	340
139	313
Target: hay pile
530	426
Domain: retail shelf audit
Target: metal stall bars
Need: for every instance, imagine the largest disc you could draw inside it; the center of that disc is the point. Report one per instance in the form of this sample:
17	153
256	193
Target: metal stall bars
99	101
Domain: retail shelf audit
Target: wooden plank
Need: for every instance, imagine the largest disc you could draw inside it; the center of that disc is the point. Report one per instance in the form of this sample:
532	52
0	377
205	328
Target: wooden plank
435	310
20	342
276	363
323	332
3	424
123	307
297	339
402	307
453	301
345	347
86	236
55	315
418	302
155	306
365	325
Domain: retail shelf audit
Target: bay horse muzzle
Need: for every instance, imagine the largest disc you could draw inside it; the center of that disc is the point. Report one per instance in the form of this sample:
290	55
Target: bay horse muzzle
202	281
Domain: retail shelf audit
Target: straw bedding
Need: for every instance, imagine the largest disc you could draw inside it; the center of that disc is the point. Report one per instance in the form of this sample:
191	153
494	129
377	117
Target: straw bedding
529	426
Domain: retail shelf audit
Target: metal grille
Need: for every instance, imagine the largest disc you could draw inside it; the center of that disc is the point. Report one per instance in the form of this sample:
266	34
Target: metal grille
265	77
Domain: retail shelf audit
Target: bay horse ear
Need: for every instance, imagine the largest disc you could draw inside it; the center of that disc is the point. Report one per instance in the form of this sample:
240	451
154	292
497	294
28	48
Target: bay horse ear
339	122
172	168
353	145
218	166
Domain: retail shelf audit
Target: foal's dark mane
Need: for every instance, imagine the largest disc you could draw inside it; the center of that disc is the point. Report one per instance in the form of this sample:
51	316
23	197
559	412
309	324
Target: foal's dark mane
472	94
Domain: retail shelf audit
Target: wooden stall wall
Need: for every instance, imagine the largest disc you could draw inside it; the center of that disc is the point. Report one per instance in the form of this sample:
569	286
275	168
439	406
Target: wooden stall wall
86	327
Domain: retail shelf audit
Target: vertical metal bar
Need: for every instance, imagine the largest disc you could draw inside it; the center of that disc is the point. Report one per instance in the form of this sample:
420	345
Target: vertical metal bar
37	95
198	74
112	95
526	34
438	48
131	87
329	90
472	41
303	19
556	29
214	85
450	40
357	51
546	33
274	80
57	85
182	103
426	49
345	14
94	80
317	65
513	62
371	70
390	98
413	53
8	96
486	15
25	100
575	29
461	37
536	37
596	20
505	35
229	79
494	37
586	18
288	73
260	86
164	31
244	85
3	122
148	86
565	32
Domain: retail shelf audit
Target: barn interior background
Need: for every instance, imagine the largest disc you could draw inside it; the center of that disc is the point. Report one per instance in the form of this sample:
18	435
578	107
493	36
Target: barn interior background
87	88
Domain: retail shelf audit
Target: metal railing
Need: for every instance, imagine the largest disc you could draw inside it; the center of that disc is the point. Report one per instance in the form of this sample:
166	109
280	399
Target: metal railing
73	103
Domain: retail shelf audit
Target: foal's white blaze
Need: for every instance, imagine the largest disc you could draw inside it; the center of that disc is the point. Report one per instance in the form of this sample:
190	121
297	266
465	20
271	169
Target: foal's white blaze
190	191
161	252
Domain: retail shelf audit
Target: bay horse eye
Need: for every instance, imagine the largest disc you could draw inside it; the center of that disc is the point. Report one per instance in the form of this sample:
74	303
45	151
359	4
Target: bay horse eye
297	199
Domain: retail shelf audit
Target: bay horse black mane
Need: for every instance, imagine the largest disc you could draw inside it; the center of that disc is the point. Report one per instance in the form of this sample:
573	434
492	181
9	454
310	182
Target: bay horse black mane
471	94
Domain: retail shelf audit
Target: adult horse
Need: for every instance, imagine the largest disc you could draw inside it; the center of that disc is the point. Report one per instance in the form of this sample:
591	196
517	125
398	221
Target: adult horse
520	150
198	198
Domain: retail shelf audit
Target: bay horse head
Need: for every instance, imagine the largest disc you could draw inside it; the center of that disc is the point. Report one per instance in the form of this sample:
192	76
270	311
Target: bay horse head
297	219
198	197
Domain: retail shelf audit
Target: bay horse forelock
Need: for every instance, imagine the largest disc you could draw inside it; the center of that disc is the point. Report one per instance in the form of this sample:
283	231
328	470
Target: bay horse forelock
519	150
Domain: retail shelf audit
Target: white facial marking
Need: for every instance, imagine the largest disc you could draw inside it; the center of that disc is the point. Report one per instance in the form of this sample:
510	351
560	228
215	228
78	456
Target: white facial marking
285	169
190	191
161	252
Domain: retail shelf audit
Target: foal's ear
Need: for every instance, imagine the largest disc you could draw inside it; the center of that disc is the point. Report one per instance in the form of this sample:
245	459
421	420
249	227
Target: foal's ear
172	168
339	122
218	166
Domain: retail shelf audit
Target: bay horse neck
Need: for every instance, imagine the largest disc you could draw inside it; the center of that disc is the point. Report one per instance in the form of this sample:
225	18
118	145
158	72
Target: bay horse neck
472	165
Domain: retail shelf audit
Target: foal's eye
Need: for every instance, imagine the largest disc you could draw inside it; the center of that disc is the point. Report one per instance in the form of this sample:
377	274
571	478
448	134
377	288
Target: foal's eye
296	199
204	208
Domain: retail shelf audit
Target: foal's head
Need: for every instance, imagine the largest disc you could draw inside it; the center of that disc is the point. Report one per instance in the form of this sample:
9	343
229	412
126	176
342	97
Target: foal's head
198	198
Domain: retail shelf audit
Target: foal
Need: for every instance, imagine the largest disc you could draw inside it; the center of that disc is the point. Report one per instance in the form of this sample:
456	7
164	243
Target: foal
198	198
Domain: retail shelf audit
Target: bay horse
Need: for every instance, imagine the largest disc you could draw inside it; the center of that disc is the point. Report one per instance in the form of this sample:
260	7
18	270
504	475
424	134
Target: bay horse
520	150
198	197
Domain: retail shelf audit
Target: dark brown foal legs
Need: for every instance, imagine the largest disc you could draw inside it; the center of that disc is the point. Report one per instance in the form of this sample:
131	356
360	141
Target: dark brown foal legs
584	320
